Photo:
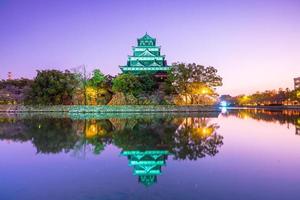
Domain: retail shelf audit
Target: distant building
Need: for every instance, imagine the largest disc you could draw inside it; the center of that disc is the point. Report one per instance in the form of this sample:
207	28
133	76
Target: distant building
297	83
146	58
14	91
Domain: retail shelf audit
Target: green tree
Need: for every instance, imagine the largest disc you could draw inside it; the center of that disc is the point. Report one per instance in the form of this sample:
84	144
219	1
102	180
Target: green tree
148	83
183	79
206	75
178	77
100	85
127	84
97	79
52	87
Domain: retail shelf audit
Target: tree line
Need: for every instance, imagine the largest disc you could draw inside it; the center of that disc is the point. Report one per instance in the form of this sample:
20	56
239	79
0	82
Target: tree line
268	98
185	84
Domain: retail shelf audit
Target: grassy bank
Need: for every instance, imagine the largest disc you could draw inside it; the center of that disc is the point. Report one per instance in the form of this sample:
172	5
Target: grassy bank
108	109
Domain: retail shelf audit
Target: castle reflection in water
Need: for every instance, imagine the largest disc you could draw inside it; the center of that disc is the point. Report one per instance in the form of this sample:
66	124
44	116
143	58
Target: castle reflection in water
146	141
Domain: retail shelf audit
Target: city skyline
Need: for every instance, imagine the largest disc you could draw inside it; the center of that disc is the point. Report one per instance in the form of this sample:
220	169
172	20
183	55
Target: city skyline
254	45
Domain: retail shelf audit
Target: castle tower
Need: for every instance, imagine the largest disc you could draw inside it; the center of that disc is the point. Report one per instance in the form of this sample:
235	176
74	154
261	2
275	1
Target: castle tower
146	58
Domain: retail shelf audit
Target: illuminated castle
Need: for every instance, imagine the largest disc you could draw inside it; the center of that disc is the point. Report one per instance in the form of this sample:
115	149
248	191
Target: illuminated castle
146	58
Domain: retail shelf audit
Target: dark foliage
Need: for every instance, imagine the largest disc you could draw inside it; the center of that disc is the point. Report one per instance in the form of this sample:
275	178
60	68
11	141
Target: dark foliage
52	87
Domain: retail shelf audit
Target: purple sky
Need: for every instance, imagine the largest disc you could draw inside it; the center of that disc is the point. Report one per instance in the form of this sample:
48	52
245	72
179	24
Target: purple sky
254	44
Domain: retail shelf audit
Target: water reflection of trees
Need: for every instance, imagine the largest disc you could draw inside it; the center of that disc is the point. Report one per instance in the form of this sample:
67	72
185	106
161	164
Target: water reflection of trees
195	138
276	116
143	134
51	136
146	142
48	136
94	136
13	129
184	137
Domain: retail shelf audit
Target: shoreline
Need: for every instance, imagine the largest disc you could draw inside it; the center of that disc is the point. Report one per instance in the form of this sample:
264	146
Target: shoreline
289	107
107	109
130	108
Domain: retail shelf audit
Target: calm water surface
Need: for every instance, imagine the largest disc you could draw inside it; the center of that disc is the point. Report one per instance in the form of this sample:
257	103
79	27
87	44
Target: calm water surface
239	154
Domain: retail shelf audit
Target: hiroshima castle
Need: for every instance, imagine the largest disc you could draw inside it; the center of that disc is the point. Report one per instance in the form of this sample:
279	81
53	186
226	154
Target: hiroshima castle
146	58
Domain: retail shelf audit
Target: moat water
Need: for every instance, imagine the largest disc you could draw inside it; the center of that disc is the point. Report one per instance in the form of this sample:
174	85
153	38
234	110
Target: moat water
237	154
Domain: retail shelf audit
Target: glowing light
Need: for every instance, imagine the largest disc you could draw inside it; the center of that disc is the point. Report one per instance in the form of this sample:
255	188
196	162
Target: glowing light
91	131
91	92
204	91
245	98
245	116
204	132
223	103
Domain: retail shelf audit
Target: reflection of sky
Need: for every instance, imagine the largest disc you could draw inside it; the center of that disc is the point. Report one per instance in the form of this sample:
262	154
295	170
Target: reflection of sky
259	160
243	39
